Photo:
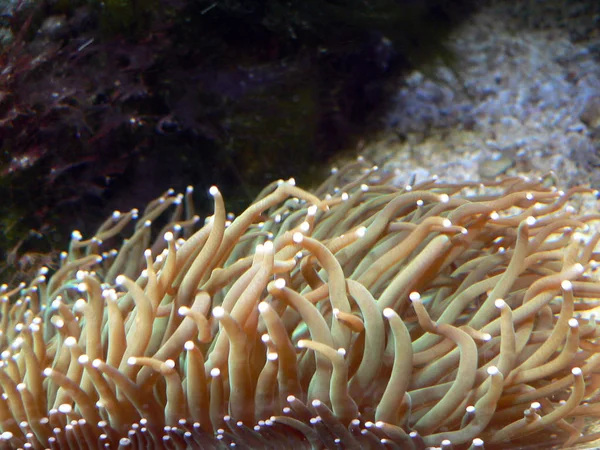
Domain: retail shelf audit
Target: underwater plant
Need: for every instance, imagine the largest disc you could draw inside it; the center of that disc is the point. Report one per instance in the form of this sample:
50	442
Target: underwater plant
361	315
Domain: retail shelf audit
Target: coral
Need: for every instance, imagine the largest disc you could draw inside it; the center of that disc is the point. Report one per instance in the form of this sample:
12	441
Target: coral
361	315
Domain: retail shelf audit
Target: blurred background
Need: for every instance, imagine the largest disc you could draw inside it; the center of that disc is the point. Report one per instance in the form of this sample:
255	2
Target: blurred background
106	105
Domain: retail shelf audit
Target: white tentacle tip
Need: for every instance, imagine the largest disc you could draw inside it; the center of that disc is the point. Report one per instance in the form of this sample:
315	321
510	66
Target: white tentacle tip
414	296
492	370
388	313
279	283
218	312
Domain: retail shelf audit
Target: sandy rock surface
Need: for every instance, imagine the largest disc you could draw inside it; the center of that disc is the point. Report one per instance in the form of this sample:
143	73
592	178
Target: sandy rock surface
522	97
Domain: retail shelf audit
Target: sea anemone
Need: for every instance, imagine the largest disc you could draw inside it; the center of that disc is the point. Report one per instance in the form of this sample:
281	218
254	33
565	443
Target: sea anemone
362	315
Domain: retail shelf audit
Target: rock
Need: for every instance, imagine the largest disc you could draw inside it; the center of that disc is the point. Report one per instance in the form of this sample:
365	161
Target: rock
491	168
590	115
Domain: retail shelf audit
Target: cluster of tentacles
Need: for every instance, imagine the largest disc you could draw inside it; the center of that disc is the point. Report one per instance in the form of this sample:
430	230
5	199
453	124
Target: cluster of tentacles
362	315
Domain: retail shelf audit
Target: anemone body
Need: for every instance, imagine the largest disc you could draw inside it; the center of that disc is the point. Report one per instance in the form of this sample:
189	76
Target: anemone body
363	315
